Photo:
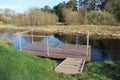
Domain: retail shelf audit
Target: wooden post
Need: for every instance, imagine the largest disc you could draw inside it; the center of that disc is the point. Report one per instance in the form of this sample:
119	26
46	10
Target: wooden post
77	40
47	47
87	44
83	63
4	34
32	36
20	42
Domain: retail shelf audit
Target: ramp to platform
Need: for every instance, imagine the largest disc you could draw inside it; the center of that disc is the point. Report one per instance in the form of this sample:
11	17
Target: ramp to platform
71	66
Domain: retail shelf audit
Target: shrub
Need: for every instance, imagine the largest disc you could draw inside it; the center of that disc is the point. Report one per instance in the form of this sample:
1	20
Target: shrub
107	70
35	17
5	42
71	17
101	17
83	16
75	17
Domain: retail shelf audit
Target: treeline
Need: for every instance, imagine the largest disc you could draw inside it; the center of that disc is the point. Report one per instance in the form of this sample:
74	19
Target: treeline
92	17
35	17
106	13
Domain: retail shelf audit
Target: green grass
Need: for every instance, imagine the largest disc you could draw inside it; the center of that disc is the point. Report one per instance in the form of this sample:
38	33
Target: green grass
5	42
100	71
17	65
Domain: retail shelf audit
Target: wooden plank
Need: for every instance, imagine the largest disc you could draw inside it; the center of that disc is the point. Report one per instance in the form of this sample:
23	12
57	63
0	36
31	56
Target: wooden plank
59	54
57	51
22	32
82	66
71	66
34	35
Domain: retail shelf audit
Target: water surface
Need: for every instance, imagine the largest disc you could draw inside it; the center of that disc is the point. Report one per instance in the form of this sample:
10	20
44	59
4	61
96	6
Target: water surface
102	49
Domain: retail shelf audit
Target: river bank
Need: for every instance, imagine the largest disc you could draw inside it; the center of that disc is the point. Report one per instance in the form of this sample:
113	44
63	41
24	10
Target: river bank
28	67
101	31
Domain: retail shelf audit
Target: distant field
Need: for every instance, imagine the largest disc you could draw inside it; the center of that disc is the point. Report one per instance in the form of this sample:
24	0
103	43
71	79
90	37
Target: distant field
103	31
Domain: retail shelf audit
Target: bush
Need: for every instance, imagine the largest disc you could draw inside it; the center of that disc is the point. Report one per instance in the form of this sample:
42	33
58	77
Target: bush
83	16
101	18
35	17
75	17
5	42
107	70
70	17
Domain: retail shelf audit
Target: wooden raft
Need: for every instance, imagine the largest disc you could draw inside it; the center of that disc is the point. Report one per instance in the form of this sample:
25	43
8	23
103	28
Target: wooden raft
71	66
58	51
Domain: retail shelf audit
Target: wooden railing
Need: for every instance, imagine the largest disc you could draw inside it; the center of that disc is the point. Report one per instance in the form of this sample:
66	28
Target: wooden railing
87	49
32	36
47	42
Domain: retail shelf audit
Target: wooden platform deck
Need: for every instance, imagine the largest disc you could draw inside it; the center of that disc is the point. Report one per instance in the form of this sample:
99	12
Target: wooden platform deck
58	51
74	55
71	66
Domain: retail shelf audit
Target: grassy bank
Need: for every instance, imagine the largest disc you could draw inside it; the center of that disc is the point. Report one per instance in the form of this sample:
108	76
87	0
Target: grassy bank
102	31
100	71
5	42
16	65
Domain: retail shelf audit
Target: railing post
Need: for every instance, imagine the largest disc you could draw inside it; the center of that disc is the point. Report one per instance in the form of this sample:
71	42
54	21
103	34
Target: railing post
77	40
32	36
87	44
4	34
47	47
20	42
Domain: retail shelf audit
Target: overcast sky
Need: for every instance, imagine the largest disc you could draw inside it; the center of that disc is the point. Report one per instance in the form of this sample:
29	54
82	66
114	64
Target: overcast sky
23	5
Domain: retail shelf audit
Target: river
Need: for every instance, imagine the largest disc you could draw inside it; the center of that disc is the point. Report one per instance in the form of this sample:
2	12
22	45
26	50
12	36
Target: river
102	49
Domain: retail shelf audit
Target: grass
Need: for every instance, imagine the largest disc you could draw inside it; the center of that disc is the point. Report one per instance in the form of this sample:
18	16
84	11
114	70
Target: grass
100	71
17	65
5	42
102	31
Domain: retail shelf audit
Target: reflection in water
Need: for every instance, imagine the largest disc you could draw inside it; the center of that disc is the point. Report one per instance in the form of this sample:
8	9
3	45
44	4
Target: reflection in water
102	49
71	39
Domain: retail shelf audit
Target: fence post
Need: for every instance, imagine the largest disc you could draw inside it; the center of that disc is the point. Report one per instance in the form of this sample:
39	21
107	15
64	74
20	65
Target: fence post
47	47
4	34
87	44
20	42
32	36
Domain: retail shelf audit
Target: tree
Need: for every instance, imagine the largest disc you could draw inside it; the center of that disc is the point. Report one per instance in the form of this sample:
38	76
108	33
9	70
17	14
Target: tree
6	15
83	16
70	17
71	4
113	6
58	10
1	12
46	9
17	19
75	17
8	12
90	4
35	17
104	4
